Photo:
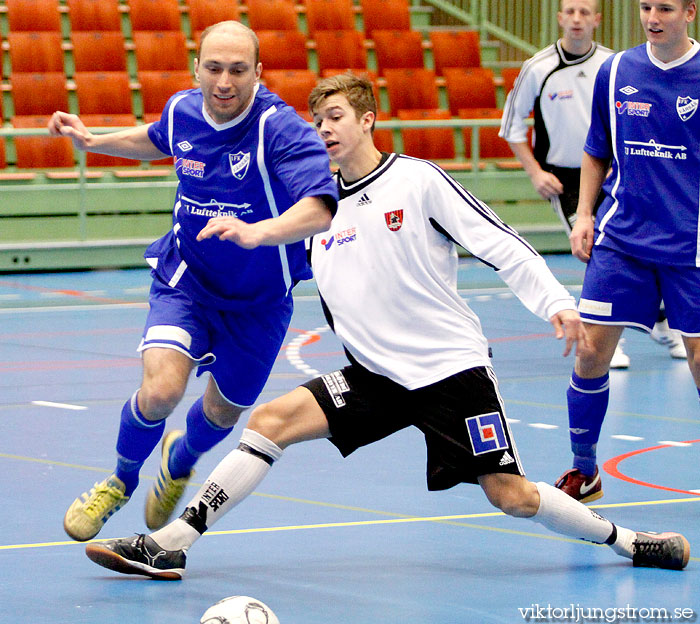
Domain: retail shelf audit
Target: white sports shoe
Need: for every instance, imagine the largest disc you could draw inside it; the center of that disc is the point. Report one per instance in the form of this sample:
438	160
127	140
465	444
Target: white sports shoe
662	334
620	359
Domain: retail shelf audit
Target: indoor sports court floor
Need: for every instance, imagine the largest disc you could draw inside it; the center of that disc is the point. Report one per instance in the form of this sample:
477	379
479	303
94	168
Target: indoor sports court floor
326	540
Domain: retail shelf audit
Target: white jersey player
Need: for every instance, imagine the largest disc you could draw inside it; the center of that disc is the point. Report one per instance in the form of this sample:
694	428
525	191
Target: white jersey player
386	270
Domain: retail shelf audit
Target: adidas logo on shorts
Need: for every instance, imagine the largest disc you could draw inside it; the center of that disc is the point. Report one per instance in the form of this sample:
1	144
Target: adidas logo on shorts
506	459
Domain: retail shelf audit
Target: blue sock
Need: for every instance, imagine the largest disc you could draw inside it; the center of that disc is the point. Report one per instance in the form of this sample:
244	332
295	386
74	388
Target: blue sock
201	435
136	440
588	402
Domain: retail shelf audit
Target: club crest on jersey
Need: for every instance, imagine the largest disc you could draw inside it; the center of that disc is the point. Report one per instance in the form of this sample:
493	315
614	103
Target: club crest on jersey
394	220
486	433
239	164
686	107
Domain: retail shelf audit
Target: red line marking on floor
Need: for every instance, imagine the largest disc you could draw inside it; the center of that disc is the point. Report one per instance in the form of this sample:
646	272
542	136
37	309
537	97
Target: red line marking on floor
611	467
79	294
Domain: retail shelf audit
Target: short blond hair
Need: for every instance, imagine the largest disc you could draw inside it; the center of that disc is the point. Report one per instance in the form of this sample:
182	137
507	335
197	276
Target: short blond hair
357	89
232	24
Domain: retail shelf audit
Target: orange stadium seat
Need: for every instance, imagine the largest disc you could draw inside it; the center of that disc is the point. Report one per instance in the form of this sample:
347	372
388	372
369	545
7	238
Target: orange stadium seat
411	89
509	75
272	15
157	87
35	51
283	49
455	48
490	144
3	160
163	51
293	86
204	13
385	15
395	49
154	15
103	93
428	143
98	50
470	87
94	15
51	86
340	50
41	152
383	137
37	15
106	121
329	15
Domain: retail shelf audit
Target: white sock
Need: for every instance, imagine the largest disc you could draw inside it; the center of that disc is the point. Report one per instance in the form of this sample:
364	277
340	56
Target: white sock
235	478
562	514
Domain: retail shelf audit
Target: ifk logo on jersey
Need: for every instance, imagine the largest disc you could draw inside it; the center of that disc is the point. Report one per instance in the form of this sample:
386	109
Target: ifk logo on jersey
394	220
239	164
686	107
486	433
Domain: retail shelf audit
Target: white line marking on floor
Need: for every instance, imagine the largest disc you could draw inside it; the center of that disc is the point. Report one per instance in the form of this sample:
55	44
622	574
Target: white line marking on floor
67	406
543	426
674	443
294	348
630	438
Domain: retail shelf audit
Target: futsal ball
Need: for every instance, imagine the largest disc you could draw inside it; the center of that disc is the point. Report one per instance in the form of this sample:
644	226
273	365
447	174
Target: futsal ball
239	610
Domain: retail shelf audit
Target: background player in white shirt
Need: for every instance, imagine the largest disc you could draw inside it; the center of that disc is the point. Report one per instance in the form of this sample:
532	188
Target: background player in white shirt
644	243
221	307
386	271
557	86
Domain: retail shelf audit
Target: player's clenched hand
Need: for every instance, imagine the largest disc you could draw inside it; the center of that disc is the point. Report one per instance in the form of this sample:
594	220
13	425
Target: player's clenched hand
567	323
246	235
547	184
68	125
581	238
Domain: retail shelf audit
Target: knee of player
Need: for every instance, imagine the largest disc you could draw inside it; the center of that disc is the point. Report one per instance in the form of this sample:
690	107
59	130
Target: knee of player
267	421
518	498
158	400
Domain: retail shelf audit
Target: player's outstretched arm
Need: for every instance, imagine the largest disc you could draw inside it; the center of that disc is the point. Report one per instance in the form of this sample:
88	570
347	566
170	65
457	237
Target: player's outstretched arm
307	217
129	143
567	324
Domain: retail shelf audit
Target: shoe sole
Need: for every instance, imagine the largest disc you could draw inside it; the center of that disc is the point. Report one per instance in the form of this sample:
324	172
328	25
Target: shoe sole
153	523
591	497
112	561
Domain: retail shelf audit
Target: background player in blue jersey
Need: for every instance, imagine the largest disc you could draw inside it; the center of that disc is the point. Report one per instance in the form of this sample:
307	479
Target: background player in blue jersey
645	242
221	306
417	354
556	84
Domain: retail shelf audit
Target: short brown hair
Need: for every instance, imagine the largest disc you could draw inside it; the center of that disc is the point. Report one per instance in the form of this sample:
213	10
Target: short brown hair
235	25
357	89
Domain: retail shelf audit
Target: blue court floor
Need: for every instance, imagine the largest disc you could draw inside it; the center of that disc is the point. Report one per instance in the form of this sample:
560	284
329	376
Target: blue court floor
326	540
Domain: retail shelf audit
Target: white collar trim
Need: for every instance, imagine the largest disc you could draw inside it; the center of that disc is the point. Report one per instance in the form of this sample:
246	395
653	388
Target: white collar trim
694	49
236	120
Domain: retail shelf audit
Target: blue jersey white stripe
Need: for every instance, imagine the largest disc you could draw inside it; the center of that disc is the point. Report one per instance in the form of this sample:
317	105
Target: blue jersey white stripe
253	167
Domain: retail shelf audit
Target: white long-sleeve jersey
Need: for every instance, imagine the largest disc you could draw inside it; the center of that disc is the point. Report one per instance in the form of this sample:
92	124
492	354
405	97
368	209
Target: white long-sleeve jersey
387	271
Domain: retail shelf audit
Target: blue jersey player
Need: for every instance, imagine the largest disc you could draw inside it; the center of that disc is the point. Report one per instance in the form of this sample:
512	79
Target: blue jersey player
248	161
644	245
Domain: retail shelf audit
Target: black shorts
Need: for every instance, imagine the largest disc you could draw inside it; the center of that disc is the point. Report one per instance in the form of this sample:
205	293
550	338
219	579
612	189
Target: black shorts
462	418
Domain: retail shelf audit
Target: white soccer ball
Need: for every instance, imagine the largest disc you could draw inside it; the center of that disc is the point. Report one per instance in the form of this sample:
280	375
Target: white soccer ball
239	610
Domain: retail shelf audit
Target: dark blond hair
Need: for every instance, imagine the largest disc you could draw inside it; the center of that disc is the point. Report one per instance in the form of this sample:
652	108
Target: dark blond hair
235	26
357	89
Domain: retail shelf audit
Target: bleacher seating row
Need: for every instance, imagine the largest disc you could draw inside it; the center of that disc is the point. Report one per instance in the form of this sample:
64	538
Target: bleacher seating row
116	63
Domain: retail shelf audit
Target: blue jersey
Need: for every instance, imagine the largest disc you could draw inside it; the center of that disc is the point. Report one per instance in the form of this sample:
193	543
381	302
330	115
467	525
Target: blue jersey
253	167
646	121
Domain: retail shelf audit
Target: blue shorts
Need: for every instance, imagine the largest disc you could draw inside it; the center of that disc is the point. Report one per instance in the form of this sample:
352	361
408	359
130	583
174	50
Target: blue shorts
623	290
237	348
